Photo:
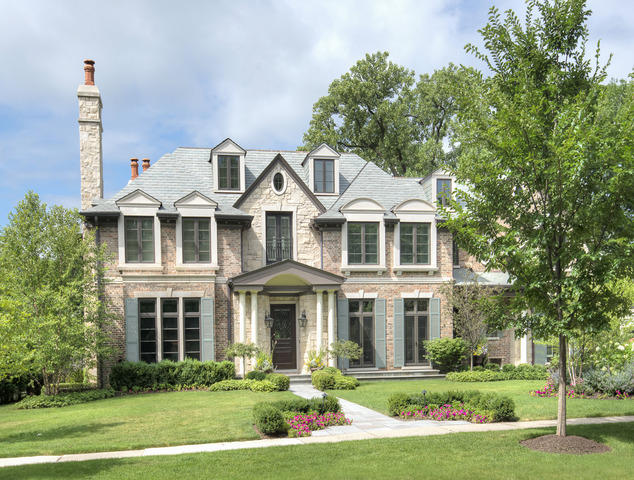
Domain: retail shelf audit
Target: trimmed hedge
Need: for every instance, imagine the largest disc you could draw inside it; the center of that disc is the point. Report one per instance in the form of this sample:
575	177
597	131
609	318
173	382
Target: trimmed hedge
64	399
500	408
255	375
283	382
527	372
127	375
331	378
273	382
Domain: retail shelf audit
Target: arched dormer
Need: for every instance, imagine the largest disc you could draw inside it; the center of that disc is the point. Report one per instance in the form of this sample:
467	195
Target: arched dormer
363	237
415	237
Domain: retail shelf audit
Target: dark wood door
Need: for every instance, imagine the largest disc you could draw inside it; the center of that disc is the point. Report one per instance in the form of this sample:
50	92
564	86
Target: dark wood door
283	339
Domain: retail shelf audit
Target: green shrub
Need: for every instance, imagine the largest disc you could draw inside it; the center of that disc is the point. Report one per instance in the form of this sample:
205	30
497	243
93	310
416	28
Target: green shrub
478	368
227	385
323	380
127	375
299	405
255	375
483	376
263	386
12	388
345	383
397	402
64	399
494	367
332	370
283	382
523	367
445	353
508	367
269	419
329	403
609	382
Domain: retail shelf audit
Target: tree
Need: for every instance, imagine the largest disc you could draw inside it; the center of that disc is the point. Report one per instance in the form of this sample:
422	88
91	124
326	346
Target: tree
244	351
52	313
547	163
345	350
379	111
473	307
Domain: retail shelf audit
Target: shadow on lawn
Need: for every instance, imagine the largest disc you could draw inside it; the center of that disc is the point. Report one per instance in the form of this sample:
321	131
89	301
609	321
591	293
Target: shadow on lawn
70	470
67	431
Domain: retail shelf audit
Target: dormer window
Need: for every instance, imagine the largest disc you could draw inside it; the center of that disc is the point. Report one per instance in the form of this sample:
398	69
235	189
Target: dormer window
324	175
196	233
443	191
322	166
228	160
415	234
228	172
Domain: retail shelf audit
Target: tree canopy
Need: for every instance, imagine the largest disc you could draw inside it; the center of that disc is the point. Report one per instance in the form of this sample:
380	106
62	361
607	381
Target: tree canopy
380	112
546	157
51	310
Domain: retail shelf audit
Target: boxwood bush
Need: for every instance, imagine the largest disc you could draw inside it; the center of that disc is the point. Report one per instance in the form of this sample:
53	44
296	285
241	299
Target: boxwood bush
331	378
64	399
269	416
527	372
446	354
269	419
502	408
127	375
283	382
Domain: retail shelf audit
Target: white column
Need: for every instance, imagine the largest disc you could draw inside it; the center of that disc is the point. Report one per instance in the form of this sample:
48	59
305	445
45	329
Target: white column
243	322
524	349
331	323
254	316
320	319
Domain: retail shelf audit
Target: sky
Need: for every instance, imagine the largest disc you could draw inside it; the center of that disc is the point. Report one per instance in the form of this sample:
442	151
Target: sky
192	73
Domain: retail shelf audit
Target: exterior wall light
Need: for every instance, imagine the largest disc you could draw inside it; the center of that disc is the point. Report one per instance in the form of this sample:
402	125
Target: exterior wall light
302	319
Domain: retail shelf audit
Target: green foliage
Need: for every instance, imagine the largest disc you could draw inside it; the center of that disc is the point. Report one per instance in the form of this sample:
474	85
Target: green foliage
508	367
242	350
345	350
64	399
283	382
52	311
128	375
445	353
609	381
264	362
529	372
255	375
379	111
269	419
263	386
502	408
494	367
316	359
331	378
228	385
12	387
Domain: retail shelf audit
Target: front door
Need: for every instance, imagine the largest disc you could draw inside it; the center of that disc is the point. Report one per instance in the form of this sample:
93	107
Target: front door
416	331
283	339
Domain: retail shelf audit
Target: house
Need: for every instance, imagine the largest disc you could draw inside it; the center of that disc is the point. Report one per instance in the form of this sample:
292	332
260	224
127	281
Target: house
209	243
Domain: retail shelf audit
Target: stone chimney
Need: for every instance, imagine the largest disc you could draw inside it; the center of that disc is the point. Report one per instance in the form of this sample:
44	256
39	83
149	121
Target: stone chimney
90	129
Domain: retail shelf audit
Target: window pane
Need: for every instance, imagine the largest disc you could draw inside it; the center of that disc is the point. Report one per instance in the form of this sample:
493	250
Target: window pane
353	305
192	333
371	243
170	322
422	243
407	243
148	335
423	305
409	305
409	339
192	306
235	173
223	172
147	323
368	306
368	344
147	306
355	243
170	306
319	175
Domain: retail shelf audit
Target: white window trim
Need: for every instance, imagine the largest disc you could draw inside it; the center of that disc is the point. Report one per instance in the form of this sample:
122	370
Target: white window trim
434	186
229	147
197	212
139	211
417	294
281	209
284	187
361	295
335	174
429	218
379	268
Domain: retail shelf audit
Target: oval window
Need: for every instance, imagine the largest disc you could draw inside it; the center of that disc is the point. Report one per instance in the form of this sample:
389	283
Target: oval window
278	182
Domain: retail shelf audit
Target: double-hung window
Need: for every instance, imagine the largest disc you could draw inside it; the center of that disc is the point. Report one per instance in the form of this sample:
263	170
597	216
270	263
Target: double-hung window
139	239
324	175
196	240
169	329
363	243
279	239
415	243
443	191
228	172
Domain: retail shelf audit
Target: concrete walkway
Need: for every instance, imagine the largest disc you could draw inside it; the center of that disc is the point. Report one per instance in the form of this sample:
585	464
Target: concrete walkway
366	424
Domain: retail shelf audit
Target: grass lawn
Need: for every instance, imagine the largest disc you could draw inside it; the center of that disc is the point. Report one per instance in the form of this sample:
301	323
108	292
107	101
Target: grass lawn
132	422
374	395
490	456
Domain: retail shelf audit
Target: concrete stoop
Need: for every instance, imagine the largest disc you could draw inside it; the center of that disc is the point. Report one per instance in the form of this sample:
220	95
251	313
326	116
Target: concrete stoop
379	375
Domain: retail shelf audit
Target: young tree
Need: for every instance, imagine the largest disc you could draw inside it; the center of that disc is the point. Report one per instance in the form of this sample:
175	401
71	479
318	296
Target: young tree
52	312
244	351
473	306
549	174
379	111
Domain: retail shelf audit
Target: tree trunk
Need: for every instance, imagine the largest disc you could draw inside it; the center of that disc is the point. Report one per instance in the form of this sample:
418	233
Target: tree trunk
472	362
561	405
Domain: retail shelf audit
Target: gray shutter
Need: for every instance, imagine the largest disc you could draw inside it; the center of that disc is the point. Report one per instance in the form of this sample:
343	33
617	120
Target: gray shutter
379	333
435	318
399	332
207	327
540	354
132	329
342	325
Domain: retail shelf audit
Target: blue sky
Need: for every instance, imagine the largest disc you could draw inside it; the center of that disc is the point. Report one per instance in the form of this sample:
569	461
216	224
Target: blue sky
192	73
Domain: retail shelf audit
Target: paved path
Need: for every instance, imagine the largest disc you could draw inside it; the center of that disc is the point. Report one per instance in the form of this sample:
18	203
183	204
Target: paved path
366	424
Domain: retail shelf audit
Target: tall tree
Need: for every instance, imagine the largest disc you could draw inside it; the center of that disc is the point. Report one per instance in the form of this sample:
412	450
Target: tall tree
51	314
549	174
379	111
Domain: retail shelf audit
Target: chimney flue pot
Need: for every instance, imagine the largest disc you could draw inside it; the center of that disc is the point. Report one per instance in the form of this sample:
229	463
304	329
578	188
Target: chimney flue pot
146	164
89	72
134	165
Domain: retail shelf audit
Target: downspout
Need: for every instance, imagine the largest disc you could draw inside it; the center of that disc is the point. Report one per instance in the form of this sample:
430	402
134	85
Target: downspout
100	296
229	302
321	233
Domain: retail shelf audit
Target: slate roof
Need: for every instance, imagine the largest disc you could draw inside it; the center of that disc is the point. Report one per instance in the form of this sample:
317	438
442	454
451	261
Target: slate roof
177	174
465	275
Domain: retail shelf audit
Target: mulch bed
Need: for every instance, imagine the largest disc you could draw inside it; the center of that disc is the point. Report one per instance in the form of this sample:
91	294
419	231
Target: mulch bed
570	444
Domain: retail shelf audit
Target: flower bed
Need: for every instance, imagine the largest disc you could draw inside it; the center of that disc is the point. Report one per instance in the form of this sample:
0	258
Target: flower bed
446	412
301	425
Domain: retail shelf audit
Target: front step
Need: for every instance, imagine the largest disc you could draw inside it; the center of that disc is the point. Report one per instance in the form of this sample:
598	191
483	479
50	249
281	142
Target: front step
379	375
